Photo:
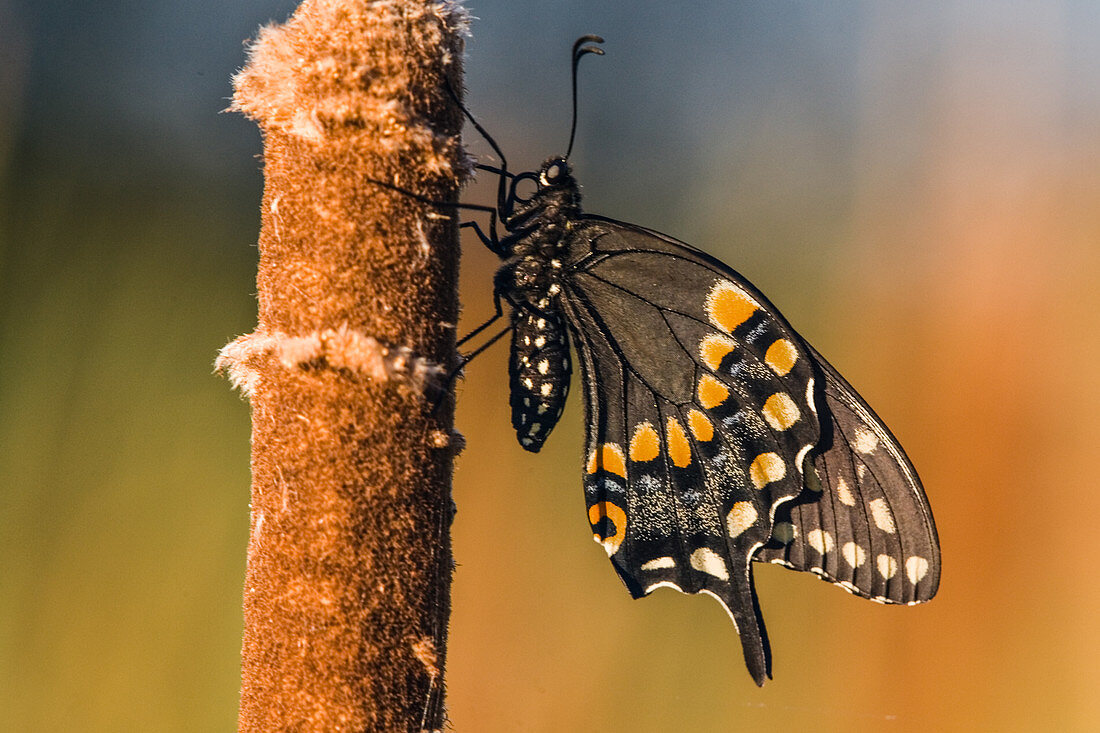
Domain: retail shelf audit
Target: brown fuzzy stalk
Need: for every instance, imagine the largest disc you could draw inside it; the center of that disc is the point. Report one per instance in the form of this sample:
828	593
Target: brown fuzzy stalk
347	594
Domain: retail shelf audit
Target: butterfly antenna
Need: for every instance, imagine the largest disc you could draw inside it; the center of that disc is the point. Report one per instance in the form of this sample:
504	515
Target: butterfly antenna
579	50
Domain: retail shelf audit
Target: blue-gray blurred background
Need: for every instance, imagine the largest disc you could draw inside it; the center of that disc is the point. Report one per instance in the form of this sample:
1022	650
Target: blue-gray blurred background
915	185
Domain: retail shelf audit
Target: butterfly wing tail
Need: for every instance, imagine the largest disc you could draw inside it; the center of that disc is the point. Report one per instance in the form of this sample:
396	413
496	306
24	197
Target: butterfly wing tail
740	602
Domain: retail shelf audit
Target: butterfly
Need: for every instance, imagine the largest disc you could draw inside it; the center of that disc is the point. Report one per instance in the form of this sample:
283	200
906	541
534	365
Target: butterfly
716	436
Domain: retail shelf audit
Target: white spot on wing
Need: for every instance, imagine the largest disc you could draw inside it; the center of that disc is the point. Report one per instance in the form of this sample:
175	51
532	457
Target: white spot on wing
887	566
663	584
659	563
820	540
880	512
866	441
801	457
742	516
853	554
916	568
844	493
706	560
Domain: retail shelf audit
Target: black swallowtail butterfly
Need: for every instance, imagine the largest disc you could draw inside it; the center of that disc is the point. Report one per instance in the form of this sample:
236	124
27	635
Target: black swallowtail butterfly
716	435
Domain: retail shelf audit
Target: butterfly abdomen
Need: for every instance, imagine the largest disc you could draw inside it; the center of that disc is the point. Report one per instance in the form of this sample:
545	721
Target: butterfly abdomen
540	369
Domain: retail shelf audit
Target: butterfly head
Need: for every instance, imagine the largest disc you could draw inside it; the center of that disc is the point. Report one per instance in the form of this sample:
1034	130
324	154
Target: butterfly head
547	193
555	172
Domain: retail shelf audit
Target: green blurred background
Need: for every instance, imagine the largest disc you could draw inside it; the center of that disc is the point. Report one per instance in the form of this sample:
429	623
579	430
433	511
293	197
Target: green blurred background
916	185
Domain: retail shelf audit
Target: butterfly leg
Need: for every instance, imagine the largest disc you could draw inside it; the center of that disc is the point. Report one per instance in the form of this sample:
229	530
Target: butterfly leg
490	240
465	359
491	321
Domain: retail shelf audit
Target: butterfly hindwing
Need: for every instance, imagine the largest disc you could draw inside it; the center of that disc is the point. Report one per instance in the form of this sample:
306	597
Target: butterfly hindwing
700	415
864	522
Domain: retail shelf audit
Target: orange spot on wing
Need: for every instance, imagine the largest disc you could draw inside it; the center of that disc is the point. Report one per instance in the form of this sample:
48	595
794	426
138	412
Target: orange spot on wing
714	348
780	411
645	445
679	450
712	392
728	306
616	516
781	356
610	458
701	426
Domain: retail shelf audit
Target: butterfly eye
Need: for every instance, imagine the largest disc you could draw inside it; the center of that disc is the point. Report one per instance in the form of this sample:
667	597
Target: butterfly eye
553	173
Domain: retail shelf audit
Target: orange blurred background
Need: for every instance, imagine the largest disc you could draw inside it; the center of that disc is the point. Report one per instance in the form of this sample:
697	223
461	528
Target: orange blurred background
917	188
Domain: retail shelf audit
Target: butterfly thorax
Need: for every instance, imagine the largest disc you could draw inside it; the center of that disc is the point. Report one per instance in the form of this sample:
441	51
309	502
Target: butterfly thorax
531	281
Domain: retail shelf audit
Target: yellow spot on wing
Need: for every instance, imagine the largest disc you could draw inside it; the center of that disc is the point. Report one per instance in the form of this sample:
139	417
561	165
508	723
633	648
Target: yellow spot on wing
701	426
617	517
766	468
713	349
780	411
712	392
646	444
742	516
613	461
728	306
679	450
887	566
781	356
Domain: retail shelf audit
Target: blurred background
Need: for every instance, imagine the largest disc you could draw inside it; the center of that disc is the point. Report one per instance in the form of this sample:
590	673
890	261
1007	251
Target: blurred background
915	185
